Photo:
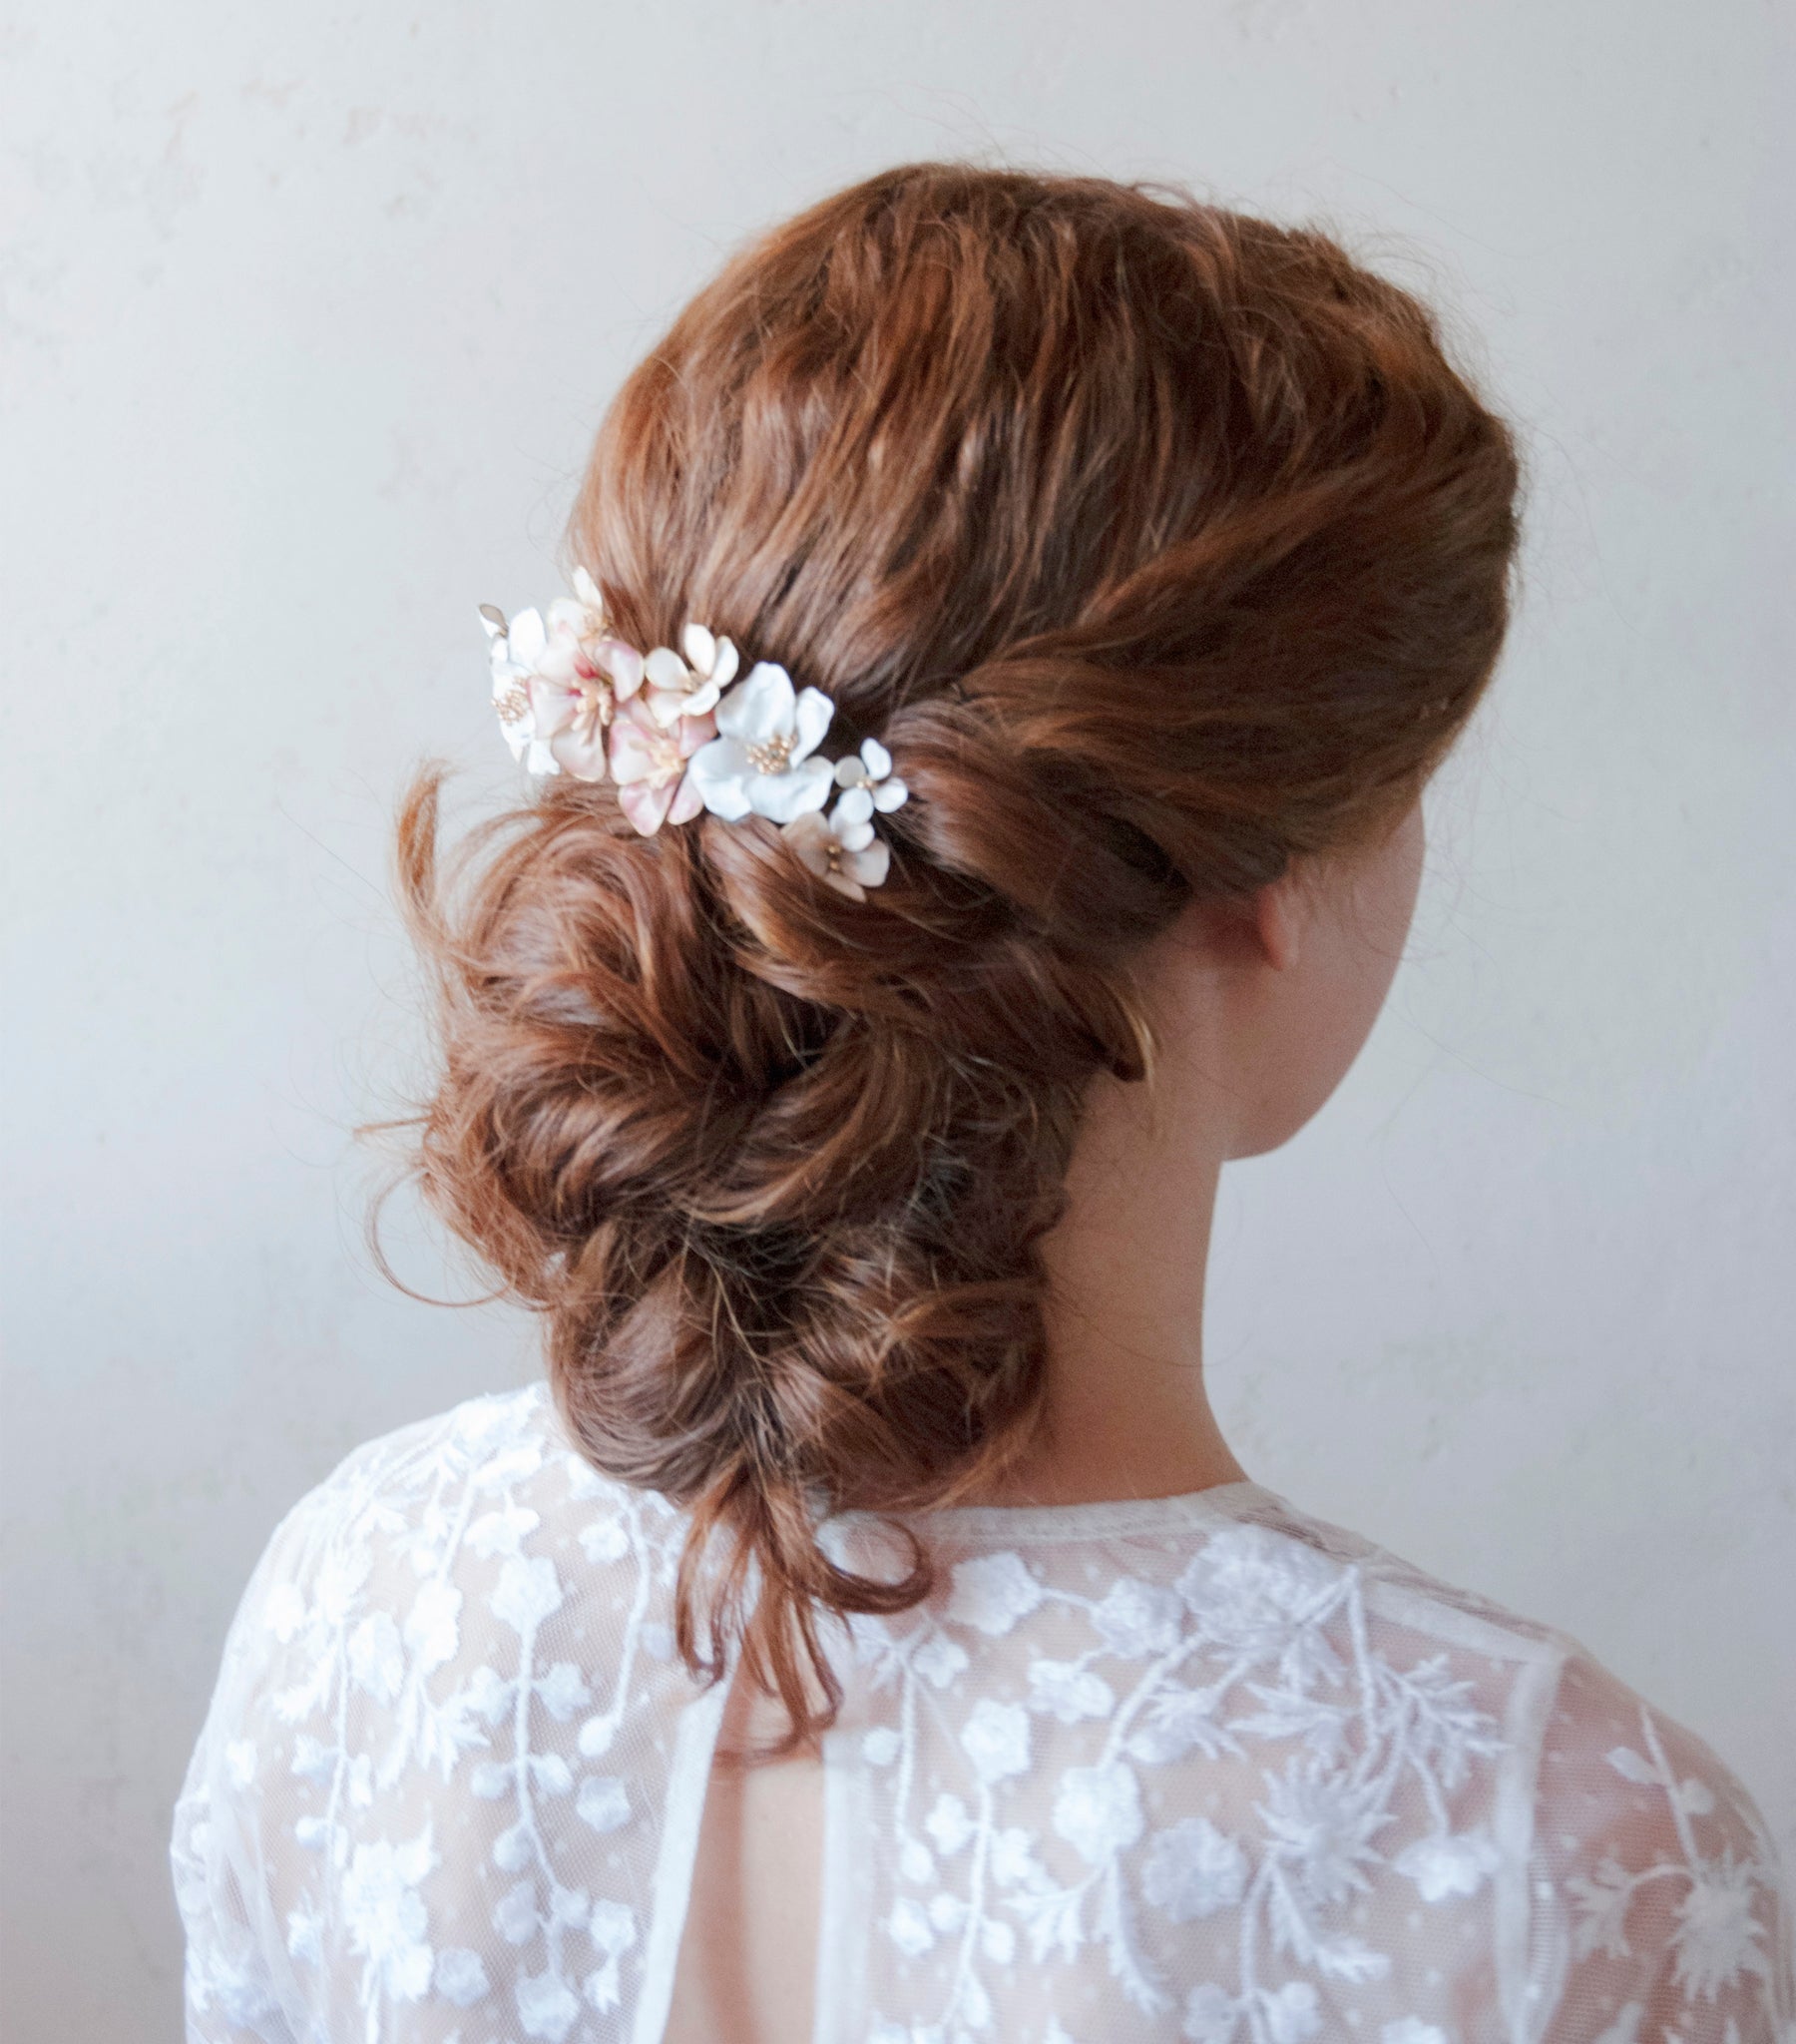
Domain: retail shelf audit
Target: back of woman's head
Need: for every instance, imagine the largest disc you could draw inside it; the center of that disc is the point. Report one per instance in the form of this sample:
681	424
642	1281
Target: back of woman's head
1163	548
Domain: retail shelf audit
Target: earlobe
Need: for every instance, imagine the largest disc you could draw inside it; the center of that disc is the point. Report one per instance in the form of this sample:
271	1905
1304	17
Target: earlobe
1277	923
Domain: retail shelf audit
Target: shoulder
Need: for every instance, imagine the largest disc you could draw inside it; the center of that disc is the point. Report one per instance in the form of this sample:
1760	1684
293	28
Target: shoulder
451	1673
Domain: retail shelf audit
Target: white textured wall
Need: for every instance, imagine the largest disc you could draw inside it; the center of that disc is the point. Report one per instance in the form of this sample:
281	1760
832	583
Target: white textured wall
308	314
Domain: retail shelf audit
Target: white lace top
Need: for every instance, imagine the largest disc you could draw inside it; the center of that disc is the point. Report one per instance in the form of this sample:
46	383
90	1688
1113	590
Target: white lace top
1194	1767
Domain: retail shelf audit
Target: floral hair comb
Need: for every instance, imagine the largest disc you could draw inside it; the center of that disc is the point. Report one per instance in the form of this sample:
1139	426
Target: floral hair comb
678	734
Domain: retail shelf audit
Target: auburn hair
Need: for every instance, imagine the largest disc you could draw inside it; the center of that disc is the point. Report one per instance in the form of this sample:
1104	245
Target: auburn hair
1163	548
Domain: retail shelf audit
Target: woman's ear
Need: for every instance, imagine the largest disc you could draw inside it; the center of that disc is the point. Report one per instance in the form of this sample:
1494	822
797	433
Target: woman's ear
1278	915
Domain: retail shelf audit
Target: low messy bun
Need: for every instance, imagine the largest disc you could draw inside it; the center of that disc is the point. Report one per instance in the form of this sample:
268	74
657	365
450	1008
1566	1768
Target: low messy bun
1162	547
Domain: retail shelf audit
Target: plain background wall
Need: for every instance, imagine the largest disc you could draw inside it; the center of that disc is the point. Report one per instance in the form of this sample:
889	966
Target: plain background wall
308	316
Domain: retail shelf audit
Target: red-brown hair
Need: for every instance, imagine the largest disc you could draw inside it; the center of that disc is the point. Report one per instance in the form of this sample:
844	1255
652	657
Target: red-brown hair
1163	548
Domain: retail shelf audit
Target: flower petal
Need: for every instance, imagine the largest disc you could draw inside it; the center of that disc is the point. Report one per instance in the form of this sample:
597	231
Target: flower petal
635	753
889	795
552	705
870	867
588	591
580	752
527	638
876	758
666	668
812	718
718	770
844	884
759	708
666	706
785	796
646	805
723	669
855	805
701	649
853	837
687	802
622	663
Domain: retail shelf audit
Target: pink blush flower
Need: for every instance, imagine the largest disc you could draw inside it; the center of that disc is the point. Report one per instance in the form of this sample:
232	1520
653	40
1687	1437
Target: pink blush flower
648	763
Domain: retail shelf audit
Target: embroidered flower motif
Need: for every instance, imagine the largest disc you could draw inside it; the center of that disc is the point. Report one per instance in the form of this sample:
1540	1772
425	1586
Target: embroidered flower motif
908	1927
612	1929
991	1592
1293	2013
1098	1810
995	1738
1411	2030
604	1802
761	762
688	688
546	2006
461	1978
1210	2015
1192	1869
527	1592
1136	1619
1449	1864
871	769
433	1629
1065	1689
1256	1593
651	765
949	1824
1716	1933
385	1916
1325	1824
842	851
939	1660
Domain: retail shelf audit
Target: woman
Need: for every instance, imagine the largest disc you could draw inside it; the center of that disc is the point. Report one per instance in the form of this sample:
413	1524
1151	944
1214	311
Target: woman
1014	619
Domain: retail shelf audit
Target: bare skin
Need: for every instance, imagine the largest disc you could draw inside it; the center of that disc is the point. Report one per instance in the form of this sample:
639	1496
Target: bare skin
1258	1012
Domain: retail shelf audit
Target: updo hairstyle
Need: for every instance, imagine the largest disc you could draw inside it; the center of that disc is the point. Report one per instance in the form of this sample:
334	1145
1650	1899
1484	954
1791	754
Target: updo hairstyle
1163	548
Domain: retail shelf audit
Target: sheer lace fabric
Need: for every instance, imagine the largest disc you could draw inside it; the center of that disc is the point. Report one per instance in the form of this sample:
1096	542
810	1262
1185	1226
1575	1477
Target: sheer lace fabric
1199	1769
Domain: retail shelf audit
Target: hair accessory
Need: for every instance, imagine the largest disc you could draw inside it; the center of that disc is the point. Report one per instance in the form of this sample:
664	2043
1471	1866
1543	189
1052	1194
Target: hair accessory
678	738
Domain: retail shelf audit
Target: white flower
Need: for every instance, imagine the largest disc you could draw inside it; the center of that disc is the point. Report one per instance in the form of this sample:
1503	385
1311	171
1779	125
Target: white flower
433	1630
650	762
908	1927
995	1738
1717	1933
503	1531
527	1592
999	1942
761	765
556	685
612	1927
562	1690
1293	2015
1325	1824
604	1540
691	687
1449	1864
881	1747
939	1660
1137	1619
546	2006
385	1915
871	769
992	1592
949	1824
377	1660
515	1914
1068	1692
842	851
1210	2015
1192	1869
460	1976
604	1802
1258	1593
1098	1810
915	1862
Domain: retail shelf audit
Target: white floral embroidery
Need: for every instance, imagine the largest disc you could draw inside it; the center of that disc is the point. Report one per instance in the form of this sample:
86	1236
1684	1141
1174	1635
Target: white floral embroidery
1212	1781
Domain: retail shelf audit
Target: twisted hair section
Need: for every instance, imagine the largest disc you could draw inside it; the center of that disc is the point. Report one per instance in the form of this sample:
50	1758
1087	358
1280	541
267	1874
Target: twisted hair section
1163	548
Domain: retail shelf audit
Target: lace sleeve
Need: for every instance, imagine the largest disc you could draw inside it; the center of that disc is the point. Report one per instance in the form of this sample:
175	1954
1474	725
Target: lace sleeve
1672	1921
234	1952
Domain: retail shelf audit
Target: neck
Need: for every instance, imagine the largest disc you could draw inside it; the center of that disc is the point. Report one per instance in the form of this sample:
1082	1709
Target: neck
1126	1411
